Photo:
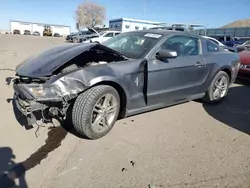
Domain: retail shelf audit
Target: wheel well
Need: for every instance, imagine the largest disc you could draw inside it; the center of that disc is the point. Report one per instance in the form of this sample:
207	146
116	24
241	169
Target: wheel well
228	73
122	94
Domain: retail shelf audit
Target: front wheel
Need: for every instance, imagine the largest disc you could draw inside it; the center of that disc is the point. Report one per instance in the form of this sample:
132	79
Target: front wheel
96	111
75	40
218	88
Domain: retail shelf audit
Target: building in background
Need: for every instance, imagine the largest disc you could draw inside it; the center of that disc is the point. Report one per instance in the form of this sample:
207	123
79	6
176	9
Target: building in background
226	31
39	27
128	24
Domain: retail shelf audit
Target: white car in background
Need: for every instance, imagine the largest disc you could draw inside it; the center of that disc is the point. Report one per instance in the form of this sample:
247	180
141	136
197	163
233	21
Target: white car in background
225	47
103	36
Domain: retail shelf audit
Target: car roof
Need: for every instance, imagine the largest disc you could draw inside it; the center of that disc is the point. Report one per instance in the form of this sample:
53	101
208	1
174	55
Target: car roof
164	32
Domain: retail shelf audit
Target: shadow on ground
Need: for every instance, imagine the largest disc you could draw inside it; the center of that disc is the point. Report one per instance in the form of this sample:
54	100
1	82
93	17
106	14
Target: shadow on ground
16	171
234	111
7	163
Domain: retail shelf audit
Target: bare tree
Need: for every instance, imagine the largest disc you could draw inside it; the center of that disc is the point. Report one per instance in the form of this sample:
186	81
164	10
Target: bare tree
89	14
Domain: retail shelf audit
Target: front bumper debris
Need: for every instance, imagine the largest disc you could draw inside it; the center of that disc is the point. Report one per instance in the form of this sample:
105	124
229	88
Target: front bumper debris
29	109
27	105
35	109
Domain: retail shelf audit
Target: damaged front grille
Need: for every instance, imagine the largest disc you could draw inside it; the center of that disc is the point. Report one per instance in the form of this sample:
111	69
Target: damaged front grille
22	105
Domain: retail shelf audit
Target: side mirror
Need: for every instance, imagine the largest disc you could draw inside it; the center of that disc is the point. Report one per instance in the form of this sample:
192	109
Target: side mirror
163	54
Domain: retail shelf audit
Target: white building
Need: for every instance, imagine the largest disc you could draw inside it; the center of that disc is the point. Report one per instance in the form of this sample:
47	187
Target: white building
32	27
128	24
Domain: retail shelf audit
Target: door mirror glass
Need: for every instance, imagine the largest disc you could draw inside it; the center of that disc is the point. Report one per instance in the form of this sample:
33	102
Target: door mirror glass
163	54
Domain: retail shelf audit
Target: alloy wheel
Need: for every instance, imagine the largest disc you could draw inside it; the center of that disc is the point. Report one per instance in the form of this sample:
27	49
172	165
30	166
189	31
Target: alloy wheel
104	113
220	87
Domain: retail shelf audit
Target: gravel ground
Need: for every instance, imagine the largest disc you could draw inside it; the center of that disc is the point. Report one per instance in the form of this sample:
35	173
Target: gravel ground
187	145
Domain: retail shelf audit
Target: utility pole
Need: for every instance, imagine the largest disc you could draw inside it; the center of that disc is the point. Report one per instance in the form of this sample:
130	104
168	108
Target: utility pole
144	9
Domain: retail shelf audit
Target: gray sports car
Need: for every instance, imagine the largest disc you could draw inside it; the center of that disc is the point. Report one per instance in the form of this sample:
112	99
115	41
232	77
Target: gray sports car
131	73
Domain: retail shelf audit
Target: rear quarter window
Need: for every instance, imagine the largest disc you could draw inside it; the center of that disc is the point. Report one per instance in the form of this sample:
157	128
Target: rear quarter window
212	47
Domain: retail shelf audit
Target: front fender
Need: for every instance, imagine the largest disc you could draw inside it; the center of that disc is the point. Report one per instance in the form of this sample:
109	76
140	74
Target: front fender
112	79
79	81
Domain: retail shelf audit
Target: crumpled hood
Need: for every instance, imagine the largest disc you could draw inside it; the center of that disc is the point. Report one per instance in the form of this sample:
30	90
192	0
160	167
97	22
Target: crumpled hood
50	60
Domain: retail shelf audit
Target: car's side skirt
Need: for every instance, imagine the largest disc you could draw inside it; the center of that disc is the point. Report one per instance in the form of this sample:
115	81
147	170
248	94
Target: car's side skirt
133	112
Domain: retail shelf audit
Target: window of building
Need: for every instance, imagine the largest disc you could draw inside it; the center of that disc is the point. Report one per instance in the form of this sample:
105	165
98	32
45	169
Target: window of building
136	27
127	26
240	32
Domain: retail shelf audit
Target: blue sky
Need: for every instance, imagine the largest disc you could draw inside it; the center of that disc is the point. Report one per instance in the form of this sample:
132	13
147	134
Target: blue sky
213	13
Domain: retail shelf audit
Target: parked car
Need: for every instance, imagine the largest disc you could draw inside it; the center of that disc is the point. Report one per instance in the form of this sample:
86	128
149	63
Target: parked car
82	35
244	46
131	73
244	71
56	35
26	32
36	33
227	40
16	32
228	48
214	40
103	36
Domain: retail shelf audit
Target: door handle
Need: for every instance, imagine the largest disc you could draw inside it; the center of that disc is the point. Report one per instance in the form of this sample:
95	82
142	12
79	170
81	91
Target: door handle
198	64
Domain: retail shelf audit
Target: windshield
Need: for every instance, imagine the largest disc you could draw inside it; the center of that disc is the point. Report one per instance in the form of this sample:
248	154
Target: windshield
133	44
102	33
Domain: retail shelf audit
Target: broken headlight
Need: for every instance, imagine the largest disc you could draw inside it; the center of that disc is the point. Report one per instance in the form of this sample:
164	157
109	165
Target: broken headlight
39	91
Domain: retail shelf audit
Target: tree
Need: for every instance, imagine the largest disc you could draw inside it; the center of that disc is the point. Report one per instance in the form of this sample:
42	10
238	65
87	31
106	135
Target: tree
89	14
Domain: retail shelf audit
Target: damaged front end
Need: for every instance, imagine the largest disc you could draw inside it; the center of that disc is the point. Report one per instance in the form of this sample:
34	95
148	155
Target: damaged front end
47	84
36	101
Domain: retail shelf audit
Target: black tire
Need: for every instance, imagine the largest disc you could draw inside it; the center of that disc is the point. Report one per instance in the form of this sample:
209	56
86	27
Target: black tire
75	40
83	107
209	98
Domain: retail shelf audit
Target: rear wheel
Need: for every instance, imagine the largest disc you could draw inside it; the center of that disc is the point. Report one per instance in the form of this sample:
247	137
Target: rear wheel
96	111
218	88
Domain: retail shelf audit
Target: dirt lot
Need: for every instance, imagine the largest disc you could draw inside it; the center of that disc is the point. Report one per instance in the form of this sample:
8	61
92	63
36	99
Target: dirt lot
189	145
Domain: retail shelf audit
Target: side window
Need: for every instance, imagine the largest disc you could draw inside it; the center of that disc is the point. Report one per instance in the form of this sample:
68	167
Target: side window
183	45
88	33
211	47
108	35
214	41
117	34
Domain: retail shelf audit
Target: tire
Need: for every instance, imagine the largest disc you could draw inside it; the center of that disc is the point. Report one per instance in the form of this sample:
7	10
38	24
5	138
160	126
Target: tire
75	40
82	113
209	96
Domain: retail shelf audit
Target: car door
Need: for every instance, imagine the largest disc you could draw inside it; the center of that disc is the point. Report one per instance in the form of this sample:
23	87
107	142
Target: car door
176	78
